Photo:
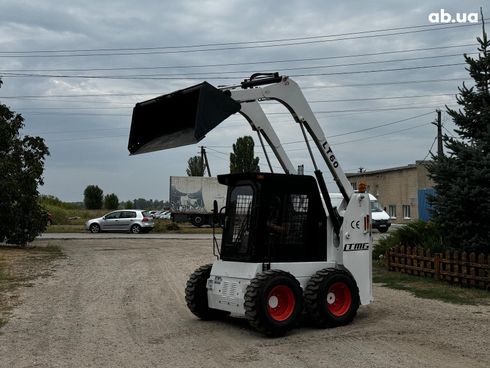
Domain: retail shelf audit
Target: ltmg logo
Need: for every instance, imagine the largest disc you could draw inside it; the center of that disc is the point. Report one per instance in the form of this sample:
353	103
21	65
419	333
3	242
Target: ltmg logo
443	17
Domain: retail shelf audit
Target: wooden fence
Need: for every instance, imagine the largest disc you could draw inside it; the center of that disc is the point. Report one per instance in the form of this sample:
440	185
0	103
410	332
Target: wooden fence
466	269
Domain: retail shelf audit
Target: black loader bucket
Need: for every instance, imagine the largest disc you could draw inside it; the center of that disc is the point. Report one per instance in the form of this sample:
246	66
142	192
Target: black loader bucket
180	118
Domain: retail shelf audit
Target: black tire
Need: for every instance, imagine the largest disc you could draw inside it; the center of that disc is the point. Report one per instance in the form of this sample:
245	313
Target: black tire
331	298
196	295
94	228
135	229
273	302
197	221
383	230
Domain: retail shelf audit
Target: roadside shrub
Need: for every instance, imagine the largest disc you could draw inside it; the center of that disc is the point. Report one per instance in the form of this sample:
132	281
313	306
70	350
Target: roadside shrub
173	226
163	226
415	234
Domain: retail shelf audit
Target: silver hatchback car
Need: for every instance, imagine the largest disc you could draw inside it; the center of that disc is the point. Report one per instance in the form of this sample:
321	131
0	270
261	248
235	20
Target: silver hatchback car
134	221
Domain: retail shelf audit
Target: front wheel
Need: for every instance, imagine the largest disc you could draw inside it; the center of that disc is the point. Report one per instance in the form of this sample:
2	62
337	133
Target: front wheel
331	298
273	302
94	228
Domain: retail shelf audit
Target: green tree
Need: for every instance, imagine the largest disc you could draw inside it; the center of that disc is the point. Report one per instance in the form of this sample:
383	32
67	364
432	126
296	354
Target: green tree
111	202
21	166
129	205
93	197
195	166
242	158
461	206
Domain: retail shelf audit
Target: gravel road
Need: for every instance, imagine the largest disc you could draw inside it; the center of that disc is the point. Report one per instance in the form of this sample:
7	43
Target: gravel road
120	303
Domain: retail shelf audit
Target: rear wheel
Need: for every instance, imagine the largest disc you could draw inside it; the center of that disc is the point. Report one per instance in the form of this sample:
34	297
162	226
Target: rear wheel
94	228
196	295
331	298
135	229
273	302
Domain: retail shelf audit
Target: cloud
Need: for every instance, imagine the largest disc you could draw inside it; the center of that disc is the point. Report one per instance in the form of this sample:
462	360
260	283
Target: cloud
87	135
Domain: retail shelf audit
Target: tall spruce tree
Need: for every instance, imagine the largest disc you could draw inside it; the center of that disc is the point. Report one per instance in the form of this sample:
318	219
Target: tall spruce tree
461	206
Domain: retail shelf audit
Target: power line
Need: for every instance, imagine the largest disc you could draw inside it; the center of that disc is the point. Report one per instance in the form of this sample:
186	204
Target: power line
270	113
382	135
192	76
260	62
432	145
364	110
371	84
191	49
369	128
127	106
231	43
348	133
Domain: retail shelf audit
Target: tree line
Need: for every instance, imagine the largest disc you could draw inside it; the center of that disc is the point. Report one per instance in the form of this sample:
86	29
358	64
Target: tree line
94	199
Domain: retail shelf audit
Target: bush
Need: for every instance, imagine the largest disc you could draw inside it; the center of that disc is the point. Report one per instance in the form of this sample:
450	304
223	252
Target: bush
415	234
173	226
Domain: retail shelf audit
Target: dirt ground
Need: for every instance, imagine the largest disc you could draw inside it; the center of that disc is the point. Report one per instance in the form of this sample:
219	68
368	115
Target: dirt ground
120	303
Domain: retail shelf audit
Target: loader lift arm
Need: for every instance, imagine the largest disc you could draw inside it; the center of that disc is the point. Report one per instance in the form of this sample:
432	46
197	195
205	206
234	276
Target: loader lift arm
289	94
213	105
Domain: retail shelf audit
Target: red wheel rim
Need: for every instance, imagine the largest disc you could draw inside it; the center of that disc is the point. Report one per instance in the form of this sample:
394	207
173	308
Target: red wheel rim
280	303
339	299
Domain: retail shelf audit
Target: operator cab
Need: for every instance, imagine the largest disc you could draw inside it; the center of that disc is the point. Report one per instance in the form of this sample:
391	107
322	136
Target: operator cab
273	218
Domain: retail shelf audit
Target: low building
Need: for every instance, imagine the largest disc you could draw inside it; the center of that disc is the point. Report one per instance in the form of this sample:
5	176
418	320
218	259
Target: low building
402	191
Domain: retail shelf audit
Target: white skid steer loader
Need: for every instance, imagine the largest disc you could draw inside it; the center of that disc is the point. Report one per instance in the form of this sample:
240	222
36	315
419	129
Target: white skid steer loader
285	249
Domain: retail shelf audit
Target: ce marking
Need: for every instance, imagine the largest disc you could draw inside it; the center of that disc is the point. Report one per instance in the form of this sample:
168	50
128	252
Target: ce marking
355	224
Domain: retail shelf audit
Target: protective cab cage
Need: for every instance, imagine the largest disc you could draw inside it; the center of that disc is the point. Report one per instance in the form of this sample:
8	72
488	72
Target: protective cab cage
270	219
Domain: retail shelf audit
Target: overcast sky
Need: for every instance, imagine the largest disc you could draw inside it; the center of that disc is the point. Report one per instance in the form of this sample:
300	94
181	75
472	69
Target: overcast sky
75	71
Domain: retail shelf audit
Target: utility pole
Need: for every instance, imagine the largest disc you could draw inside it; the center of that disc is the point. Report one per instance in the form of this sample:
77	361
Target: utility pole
204	160
438	123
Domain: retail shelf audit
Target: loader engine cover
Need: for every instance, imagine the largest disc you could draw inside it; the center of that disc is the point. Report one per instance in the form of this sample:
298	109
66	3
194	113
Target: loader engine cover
179	118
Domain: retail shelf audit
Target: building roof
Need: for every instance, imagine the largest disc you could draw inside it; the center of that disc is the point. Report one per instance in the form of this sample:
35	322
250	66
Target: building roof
380	171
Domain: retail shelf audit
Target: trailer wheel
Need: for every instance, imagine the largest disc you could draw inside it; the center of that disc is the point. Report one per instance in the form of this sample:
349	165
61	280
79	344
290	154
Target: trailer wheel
331	298
273	302
196	295
197	221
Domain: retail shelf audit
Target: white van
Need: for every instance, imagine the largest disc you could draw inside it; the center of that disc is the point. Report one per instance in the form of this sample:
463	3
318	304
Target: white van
380	219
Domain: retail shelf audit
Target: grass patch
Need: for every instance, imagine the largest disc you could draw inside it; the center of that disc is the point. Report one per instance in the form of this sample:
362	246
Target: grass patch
65	229
19	266
161	227
427	288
